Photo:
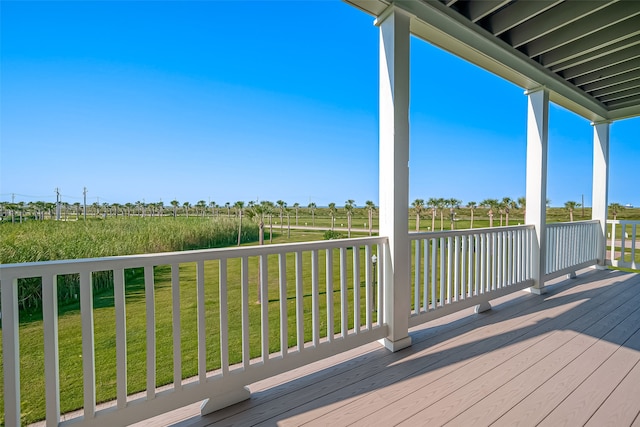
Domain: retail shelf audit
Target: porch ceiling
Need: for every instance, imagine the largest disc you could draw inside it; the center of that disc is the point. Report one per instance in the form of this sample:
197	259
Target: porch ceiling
587	53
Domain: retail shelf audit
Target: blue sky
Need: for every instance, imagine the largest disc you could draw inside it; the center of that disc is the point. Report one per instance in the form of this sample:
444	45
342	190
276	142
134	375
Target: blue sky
226	101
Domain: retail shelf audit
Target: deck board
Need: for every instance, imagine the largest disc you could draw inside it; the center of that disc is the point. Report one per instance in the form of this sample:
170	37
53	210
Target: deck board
515	379
622	406
578	407
520	391
569	357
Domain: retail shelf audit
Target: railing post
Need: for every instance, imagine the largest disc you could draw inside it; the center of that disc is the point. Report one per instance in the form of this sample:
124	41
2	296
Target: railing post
601	186
394	172
10	350
51	364
536	186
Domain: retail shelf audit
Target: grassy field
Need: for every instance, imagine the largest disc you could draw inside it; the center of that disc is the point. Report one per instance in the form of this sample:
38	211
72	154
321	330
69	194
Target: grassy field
31	329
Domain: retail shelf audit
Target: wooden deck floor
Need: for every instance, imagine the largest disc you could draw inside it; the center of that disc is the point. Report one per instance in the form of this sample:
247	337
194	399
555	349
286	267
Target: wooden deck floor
569	357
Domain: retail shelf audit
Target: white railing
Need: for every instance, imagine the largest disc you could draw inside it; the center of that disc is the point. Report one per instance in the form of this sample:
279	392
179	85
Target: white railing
462	268
623	248
269	313
570	247
291	279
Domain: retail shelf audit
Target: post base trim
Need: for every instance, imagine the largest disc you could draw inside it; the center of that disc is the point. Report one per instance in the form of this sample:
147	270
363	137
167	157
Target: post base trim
394	346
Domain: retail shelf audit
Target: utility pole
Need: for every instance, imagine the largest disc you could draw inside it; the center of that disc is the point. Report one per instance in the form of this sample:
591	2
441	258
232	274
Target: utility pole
57	204
13	198
84	193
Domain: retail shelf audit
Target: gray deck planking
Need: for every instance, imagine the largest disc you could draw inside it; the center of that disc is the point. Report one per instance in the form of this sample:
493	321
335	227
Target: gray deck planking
566	358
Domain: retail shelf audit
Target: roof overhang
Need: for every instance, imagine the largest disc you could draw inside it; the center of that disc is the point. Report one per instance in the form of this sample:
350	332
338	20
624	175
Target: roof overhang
475	31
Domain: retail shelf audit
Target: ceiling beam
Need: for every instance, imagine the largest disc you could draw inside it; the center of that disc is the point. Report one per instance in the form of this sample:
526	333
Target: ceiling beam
627	107
627	93
615	70
555	18
599	53
610	90
618	34
612	81
516	14
599	64
479	9
585	27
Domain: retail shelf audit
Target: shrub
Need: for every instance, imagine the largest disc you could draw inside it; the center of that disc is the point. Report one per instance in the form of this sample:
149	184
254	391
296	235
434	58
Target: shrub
332	234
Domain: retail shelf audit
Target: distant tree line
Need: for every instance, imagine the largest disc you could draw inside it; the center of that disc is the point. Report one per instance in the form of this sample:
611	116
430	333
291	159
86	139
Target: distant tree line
434	208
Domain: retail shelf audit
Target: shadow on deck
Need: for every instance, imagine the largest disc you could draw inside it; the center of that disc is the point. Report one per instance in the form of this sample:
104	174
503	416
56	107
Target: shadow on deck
567	357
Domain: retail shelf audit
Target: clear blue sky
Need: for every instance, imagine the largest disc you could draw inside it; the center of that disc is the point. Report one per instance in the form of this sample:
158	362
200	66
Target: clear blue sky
227	101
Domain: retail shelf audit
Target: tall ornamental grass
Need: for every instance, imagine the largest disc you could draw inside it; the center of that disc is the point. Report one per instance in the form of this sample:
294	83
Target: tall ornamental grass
56	240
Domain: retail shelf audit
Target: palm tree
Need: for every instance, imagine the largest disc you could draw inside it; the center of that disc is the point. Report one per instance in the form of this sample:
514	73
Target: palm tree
20	208
418	208
312	207
39	207
332	212
268	210
228	206
202	204
570	206
281	206
522	204
507	204
501	208
11	207
441	203
256	213
175	204
296	206
212	205
491	204
239	205
370	208
349	205
50	207
186	206
453	203
615	208
433	204
472	207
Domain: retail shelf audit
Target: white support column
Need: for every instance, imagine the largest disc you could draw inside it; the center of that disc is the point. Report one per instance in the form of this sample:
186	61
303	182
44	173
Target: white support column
537	148
600	190
394	172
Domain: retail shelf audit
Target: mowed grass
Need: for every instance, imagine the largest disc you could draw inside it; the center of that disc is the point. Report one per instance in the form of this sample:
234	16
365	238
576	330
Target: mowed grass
70	334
